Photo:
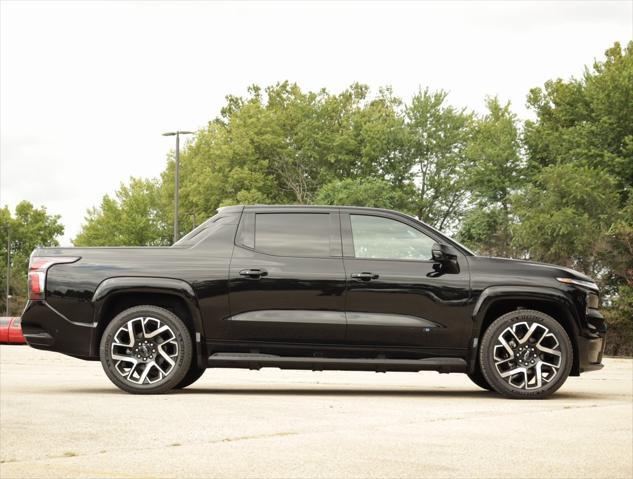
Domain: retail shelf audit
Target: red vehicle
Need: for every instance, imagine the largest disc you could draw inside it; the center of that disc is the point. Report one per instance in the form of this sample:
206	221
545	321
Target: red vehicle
11	330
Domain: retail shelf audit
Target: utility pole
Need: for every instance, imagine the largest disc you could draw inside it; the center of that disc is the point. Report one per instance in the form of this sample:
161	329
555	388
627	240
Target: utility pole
177	176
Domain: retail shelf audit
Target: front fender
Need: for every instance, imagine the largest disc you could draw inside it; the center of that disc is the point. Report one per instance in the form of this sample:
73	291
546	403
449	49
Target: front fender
542	294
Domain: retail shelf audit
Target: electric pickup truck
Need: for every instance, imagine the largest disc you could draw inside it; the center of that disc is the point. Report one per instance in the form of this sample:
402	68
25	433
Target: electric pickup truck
314	288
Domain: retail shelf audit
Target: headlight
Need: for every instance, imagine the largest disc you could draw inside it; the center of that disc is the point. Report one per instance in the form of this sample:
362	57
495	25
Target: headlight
586	284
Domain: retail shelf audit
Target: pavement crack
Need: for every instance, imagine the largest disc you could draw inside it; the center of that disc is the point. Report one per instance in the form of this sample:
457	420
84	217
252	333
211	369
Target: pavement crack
247	438
72	454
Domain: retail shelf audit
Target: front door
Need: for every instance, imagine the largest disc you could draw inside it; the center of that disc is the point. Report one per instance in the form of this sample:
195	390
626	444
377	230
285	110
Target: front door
287	281
395	296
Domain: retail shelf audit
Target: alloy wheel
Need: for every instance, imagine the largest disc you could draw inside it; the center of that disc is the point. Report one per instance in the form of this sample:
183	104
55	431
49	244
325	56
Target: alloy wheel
527	355
144	350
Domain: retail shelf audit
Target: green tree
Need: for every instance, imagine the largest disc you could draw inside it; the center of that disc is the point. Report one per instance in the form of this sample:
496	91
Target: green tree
585	126
564	213
617	254
588	121
495	172
278	145
438	135
135	217
29	228
373	193
282	145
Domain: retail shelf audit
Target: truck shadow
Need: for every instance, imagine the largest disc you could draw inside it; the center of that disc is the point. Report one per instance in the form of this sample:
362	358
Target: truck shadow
368	392
333	392
329	391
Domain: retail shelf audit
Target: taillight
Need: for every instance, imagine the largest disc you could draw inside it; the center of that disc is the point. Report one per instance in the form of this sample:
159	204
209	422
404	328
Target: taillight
37	273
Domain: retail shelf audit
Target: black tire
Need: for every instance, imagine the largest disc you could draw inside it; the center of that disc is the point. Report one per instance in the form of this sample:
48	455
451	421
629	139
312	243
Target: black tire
480	380
174	342
534	332
194	373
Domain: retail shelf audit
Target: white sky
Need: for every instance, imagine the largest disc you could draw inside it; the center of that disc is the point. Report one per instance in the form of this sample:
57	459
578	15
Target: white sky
86	89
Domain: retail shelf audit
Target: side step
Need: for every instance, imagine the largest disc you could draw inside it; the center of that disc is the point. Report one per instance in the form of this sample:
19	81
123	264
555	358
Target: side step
258	361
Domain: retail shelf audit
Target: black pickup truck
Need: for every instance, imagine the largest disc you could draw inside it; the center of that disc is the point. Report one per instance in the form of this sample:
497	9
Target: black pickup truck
315	288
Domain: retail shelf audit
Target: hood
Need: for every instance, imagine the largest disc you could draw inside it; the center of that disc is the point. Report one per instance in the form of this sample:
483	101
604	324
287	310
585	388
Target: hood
533	267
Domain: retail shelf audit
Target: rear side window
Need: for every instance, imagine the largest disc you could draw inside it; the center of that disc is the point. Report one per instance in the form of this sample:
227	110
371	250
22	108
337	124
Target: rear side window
293	234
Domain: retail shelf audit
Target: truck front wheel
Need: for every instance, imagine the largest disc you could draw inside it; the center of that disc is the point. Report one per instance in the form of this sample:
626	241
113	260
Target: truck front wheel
146	350
525	354
194	373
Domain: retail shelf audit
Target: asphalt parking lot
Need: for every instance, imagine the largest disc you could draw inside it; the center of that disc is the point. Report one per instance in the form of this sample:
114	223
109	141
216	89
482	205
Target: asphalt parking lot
61	417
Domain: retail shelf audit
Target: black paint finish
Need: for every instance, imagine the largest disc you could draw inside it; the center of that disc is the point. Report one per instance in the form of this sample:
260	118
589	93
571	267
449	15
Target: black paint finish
327	303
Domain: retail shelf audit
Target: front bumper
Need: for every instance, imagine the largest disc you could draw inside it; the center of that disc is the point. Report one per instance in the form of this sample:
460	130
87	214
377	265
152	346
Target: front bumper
591	344
590	351
45	328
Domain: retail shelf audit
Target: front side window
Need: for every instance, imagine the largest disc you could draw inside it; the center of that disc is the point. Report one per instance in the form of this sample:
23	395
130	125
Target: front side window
293	234
383	238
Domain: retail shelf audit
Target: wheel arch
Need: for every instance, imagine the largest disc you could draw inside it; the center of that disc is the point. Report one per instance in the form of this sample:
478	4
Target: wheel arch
115	295
498	300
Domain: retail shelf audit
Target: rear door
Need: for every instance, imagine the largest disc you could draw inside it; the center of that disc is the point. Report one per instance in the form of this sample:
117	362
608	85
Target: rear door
395	295
287	281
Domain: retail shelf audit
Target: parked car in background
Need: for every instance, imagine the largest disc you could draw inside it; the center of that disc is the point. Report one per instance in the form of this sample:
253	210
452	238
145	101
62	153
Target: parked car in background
11	330
304	287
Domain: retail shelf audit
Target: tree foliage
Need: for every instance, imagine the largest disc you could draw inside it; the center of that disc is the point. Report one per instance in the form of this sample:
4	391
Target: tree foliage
373	193
438	138
496	171
283	145
587	120
135	216
580	155
563	212
617	255
28	228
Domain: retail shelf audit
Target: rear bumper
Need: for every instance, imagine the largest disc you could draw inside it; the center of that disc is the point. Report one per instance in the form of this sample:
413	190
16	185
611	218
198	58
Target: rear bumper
45	328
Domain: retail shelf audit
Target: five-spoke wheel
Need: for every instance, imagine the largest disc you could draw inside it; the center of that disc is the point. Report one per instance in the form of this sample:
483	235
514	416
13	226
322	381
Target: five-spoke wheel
525	353
146	349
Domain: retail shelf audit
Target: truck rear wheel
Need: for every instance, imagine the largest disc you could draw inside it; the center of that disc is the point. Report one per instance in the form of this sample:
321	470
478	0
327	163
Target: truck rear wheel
146	350
525	354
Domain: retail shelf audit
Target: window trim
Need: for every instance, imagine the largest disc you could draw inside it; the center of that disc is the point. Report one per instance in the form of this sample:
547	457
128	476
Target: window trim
246	231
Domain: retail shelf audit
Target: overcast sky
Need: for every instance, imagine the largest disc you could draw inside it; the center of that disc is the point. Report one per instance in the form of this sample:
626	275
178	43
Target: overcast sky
87	88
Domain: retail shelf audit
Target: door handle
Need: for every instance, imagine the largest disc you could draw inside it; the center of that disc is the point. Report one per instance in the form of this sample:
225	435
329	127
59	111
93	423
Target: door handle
365	276
253	273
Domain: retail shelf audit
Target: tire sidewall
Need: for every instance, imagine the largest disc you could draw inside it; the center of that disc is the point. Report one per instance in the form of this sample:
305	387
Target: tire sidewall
183	339
194	373
478	379
486	354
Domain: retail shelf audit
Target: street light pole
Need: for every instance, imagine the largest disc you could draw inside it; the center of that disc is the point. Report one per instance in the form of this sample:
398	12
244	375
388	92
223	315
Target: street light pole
177	176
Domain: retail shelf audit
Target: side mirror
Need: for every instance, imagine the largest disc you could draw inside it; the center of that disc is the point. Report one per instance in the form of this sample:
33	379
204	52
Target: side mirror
443	253
446	257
